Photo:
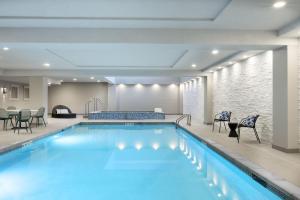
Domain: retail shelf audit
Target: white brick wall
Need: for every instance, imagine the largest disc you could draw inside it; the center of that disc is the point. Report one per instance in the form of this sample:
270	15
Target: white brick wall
246	88
193	99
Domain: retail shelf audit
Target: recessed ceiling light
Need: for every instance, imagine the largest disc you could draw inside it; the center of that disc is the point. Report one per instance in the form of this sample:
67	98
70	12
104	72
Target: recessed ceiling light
74	79
92	78
194	65
5	48
211	71
98	81
245	56
46	64
215	51
279	4
230	63
61	80
49	83
220	67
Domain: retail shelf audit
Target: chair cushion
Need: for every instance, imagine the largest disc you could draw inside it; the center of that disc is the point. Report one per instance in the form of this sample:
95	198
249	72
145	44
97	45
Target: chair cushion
224	115
64	111
249	121
58	111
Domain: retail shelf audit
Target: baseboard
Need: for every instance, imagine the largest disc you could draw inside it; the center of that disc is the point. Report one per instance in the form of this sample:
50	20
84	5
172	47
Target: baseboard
285	150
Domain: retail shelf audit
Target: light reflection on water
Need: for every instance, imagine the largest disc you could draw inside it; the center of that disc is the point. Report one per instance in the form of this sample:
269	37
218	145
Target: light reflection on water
95	161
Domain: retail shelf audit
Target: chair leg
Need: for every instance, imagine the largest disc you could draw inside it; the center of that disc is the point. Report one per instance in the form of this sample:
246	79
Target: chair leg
213	128
6	122
225	126
44	121
20	124
16	126
220	127
26	127
239	133
4	125
11	123
29	127
256	135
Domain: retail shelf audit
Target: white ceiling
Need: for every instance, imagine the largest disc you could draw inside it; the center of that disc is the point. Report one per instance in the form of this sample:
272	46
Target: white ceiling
204	14
108	56
83	38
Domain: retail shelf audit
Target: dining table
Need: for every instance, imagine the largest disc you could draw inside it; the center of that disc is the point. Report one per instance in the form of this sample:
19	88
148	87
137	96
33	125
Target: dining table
15	113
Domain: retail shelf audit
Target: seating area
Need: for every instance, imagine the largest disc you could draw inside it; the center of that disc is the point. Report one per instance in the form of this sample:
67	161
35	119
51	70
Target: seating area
247	122
21	118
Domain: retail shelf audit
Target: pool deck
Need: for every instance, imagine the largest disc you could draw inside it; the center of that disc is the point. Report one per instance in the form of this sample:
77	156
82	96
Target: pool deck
263	158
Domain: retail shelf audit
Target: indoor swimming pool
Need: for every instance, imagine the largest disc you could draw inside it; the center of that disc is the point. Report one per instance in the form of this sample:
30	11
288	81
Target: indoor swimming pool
123	161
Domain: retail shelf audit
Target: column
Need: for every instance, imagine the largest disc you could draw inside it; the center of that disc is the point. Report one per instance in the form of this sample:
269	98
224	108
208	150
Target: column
38	91
285	74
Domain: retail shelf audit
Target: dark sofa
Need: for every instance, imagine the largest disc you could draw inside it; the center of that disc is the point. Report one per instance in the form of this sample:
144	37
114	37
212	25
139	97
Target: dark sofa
65	115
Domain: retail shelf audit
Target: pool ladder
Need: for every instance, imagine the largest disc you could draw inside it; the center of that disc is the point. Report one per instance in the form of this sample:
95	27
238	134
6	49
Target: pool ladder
188	119
95	104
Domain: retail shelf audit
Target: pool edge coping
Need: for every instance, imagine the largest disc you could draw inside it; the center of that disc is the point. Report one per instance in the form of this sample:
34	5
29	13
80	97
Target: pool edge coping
20	144
279	186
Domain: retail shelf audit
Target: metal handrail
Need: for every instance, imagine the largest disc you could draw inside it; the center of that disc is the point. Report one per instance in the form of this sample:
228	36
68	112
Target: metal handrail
188	121
87	107
96	105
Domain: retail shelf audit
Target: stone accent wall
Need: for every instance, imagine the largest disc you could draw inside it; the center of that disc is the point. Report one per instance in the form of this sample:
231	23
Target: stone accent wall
193	99
246	88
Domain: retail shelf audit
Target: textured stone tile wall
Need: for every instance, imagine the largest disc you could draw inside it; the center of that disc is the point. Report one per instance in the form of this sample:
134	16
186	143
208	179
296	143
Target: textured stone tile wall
246	88
193	99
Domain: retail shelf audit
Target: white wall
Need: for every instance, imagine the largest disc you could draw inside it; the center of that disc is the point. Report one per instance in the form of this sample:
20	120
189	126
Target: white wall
146	97
75	95
5	100
246	88
193	99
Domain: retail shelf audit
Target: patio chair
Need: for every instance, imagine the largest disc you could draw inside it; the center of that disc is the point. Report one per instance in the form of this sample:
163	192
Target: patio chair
39	115
4	116
23	117
223	116
248	122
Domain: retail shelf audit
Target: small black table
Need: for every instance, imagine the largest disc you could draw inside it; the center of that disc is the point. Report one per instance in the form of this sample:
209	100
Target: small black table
233	133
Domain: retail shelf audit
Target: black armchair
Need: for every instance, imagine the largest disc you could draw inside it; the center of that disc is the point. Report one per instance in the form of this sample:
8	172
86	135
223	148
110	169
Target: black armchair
223	116
248	122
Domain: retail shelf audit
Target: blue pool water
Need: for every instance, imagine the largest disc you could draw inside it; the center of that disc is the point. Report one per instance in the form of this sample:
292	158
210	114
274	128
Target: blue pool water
110	162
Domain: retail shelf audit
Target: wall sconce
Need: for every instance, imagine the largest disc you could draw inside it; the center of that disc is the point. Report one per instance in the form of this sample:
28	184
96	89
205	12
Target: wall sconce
4	90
